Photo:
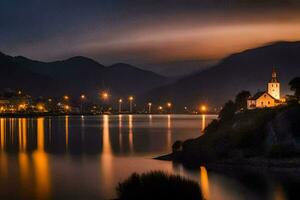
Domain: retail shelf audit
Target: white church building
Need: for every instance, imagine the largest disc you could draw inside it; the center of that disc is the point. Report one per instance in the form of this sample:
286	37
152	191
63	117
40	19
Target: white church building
269	98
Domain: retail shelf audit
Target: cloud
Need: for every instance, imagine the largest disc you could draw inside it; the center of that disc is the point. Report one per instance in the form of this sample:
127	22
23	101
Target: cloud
145	31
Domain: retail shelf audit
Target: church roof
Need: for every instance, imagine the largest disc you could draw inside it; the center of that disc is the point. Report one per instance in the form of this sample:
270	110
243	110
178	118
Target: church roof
259	94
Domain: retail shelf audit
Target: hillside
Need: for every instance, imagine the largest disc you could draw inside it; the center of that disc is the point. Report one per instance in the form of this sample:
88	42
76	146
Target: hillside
248	70
261	137
15	75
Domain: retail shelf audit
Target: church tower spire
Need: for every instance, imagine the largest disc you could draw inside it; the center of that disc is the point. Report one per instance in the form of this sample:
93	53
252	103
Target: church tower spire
274	76
274	85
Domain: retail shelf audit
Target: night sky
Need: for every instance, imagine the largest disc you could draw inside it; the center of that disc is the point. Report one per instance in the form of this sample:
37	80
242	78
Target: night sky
144	32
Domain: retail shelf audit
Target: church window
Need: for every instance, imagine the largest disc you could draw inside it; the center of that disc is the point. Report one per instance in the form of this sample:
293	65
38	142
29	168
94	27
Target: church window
269	102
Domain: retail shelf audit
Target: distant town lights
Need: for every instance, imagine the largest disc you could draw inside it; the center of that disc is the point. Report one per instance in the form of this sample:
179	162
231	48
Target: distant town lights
40	107
66	97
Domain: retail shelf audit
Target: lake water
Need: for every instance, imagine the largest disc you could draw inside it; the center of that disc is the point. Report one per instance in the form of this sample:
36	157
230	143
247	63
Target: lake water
76	157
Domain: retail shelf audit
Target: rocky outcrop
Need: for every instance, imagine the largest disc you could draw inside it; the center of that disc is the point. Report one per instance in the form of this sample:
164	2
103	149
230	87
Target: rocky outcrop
258	134
283	131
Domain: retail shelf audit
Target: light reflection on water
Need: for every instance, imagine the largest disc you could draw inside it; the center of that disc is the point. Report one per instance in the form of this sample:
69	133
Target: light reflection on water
85	157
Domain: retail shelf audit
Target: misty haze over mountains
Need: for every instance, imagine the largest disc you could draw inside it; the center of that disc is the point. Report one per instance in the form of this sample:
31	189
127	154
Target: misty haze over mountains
248	70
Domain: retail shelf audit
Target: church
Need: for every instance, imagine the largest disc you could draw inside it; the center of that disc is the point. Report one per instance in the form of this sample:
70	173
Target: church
269	98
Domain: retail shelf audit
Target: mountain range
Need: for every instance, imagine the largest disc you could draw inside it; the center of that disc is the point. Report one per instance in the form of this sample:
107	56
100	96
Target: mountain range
247	70
75	76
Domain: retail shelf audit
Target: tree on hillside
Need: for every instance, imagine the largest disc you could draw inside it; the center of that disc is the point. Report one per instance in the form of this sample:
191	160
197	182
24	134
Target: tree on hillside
241	100
228	111
295	86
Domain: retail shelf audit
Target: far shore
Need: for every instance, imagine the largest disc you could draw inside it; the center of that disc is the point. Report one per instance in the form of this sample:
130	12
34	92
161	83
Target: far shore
22	115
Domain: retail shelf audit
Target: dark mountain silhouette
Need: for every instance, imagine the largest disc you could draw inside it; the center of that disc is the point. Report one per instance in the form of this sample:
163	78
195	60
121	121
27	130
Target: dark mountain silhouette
75	76
16	76
248	70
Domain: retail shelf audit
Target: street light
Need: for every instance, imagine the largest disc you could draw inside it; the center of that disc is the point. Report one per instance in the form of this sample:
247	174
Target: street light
160	108
67	107
130	103
82	97
149	107
104	95
120	105
169	105
203	108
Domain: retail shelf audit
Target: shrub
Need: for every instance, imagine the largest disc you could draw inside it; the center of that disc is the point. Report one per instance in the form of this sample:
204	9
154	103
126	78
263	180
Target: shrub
158	185
228	111
177	146
281	151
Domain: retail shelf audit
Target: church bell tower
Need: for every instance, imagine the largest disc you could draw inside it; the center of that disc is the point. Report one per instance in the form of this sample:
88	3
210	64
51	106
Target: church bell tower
274	86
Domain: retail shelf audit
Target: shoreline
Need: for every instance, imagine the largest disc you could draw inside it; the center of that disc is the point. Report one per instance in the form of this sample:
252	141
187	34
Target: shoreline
262	163
22	115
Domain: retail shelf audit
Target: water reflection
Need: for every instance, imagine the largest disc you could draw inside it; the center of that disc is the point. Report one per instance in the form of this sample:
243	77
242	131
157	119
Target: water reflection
67	131
150	120
22	135
203	121
279	193
106	157
106	137
41	164
24	160
169	133
3	157
120	133
78	135
130	133
2	134
204	183
39	157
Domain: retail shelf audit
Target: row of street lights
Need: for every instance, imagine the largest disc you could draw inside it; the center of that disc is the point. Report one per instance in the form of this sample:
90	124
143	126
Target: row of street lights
105	96
130	98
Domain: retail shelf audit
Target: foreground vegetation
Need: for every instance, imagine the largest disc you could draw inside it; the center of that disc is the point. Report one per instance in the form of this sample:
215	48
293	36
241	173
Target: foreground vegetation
158	185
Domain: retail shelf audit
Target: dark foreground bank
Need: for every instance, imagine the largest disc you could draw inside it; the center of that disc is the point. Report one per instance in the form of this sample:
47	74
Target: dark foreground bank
265	138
